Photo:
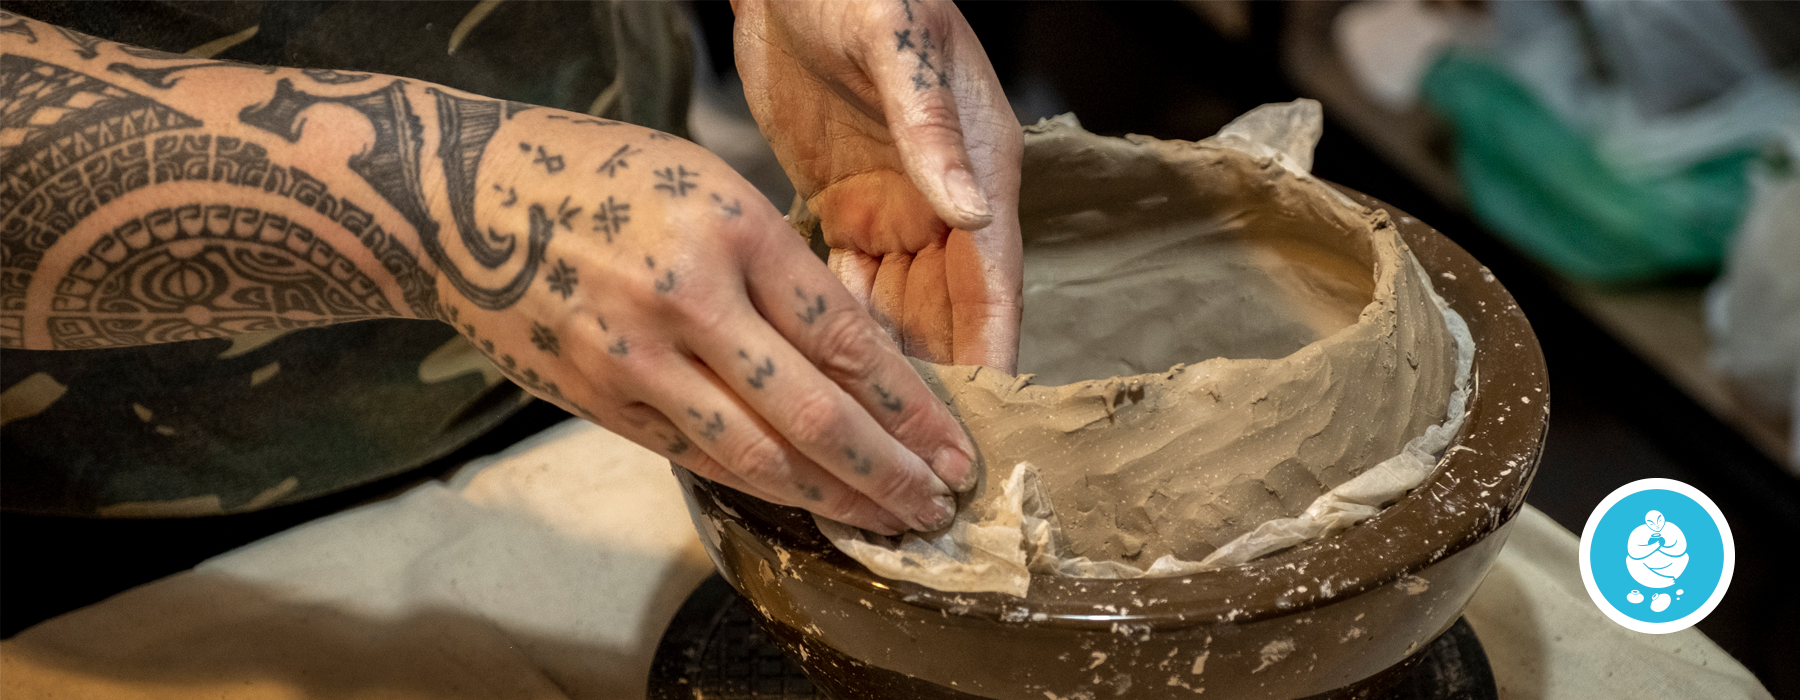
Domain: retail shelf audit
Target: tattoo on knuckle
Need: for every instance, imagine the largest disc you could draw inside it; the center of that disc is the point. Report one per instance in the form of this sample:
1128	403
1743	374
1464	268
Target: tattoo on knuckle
759	460
811	309
760	373
846	347
862	464
678	444
710	428
816	419
889	400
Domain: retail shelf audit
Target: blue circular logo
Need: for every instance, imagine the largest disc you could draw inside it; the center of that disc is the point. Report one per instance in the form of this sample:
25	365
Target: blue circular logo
1657	556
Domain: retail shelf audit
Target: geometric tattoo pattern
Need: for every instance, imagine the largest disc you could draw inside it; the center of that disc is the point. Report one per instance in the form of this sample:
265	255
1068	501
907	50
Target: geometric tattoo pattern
70	143
392	166
206	271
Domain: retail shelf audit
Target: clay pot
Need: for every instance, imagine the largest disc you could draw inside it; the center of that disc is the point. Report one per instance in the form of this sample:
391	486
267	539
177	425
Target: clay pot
1335	617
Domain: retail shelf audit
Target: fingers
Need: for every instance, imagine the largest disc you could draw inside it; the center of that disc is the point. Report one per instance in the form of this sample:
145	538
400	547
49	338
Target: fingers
927	319
856	270
720	437
983	275
646	426
824	423
830	329
887	299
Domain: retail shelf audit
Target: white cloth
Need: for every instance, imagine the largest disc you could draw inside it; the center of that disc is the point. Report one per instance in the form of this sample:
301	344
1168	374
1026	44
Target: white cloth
551	570
547	571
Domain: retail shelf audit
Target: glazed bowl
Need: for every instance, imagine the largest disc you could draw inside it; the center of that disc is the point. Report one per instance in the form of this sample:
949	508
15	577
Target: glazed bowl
1338	616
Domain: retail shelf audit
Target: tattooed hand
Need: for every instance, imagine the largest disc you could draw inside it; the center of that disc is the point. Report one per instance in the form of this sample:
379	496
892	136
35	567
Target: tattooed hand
889	120
626	275
674	306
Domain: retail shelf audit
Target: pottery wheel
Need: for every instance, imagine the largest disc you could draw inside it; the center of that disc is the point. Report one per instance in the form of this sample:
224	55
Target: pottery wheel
714	650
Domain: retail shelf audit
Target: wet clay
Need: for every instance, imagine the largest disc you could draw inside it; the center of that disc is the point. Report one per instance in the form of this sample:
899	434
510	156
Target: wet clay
1317	348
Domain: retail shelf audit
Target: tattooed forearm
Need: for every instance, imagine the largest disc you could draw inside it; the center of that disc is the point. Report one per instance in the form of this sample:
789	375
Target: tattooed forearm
332	77
85	46
585	121
164	78
206	271
152	54
18	27
392	167
81	142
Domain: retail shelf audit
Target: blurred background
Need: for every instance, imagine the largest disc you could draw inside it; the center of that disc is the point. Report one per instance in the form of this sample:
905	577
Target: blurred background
1625	169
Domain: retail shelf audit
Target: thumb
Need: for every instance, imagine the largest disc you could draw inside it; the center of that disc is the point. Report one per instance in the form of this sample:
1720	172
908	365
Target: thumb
916	77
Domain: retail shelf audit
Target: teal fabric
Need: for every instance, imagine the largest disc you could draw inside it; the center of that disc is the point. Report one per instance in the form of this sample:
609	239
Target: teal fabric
1540	184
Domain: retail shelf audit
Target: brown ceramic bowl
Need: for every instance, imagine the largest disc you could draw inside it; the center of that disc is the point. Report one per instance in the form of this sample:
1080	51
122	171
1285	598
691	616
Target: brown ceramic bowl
1335	617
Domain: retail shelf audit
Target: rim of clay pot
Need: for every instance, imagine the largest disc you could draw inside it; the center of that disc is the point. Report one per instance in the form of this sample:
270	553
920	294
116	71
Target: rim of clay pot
1478	487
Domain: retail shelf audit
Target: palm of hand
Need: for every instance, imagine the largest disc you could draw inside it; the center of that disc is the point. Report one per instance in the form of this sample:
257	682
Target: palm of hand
906	150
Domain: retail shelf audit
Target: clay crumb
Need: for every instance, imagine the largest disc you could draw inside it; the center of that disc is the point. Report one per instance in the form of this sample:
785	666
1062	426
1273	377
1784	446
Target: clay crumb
1099	658
1273	652
1413	585
1200	662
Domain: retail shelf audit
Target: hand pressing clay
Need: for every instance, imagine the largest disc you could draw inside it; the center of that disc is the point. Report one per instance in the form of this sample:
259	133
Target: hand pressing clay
1218	339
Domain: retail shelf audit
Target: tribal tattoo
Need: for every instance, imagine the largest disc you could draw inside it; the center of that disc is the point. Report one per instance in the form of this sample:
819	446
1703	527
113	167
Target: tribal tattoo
79	142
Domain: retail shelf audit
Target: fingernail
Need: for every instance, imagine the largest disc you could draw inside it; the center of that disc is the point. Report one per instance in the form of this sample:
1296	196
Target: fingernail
966	197
890	524
949	461
938	515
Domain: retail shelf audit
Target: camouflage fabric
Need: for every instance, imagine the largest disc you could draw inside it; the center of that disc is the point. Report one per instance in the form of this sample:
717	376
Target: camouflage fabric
221	426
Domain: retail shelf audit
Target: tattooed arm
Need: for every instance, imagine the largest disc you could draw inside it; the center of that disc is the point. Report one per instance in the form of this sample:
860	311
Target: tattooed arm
892	124
627	275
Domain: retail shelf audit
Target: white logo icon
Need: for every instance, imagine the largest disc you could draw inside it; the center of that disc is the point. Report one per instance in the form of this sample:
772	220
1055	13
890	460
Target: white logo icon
1656	553
1669	578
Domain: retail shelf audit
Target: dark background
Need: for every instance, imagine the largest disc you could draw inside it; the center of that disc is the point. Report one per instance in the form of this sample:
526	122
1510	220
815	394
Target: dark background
1153	68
